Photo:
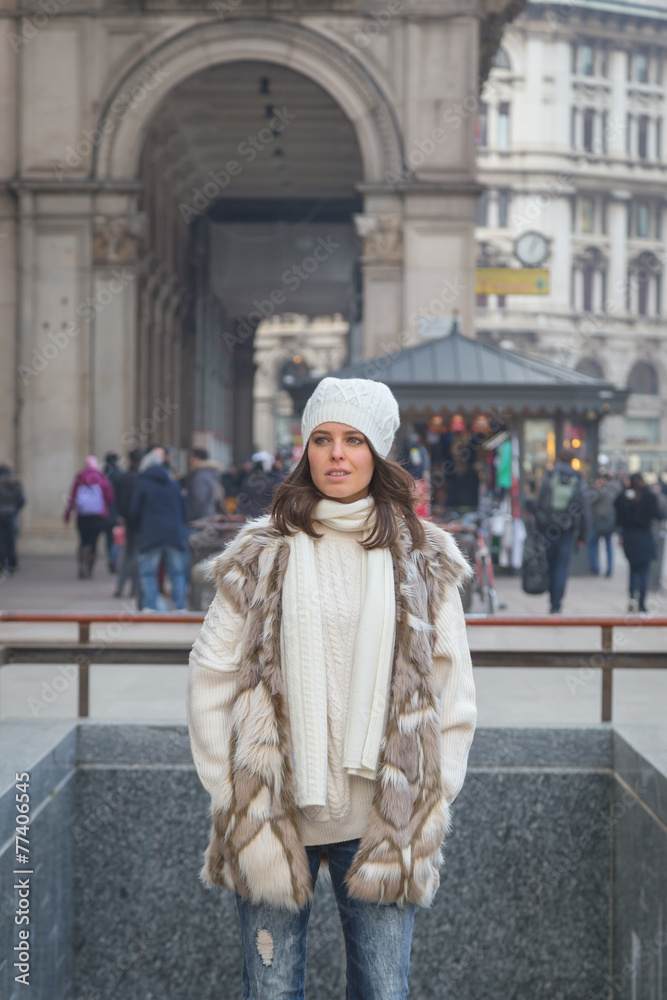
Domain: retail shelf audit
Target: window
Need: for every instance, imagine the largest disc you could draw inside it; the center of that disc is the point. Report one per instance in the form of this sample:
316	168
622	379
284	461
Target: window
605	130
589	129
482	300
604	61
481	123
503	125
642	430
643	379
641	67
501	301
628	135
658	139
642	137
586	59
587	215
642	220
483	208
588	276
658	222
603	217
589	366
501	59
658	295
573	128
503	208
628	228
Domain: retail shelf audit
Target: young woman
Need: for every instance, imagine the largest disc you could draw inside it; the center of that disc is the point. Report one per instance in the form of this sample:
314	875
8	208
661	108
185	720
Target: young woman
331	703
91	495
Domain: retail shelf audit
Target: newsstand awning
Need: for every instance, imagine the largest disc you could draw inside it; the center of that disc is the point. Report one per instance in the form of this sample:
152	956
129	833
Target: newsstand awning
455	372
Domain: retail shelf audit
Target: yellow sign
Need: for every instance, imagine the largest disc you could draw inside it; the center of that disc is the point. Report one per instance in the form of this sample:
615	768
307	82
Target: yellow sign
512	281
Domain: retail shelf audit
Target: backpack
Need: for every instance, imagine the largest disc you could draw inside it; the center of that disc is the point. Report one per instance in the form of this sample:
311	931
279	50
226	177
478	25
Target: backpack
562	488
89	499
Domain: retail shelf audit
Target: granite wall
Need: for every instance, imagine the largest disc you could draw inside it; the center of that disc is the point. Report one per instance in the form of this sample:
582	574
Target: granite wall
552	882
47	751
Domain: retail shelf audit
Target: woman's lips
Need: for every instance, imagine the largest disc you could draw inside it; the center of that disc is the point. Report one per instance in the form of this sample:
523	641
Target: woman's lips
337	475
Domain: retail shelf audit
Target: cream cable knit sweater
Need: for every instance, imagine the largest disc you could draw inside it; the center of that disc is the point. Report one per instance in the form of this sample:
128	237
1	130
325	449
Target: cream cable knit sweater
215	659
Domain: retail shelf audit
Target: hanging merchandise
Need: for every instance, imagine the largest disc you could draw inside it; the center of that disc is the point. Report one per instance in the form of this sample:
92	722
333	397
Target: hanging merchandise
504	465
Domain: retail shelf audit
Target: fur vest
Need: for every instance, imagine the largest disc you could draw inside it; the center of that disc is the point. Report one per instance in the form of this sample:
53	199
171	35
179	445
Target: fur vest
255	847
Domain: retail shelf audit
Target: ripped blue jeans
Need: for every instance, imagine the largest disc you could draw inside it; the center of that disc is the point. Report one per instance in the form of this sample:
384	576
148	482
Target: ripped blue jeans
377	940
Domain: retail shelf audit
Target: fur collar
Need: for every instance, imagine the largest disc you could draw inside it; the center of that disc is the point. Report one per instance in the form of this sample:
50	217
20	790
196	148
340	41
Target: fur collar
255	846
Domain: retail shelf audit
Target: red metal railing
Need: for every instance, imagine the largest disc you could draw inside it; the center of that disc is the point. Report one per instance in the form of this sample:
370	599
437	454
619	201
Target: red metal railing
110	651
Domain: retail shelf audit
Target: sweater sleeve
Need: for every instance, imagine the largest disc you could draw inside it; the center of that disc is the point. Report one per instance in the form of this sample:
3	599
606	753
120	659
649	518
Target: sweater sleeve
214	663
452	667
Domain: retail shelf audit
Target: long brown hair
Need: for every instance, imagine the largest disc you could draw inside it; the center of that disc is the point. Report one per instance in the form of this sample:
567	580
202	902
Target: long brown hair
392	488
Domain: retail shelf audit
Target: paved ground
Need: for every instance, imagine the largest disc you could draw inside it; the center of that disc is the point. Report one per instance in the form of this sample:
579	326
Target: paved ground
521	696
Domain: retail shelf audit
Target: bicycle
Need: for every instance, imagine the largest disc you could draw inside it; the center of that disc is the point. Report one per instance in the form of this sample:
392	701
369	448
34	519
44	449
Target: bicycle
475	524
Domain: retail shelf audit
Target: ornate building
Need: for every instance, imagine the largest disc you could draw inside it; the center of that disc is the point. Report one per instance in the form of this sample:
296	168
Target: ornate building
174	173
571	148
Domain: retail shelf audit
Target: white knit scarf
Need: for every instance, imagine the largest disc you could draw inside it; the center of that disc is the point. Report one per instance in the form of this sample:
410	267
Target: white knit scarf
303	662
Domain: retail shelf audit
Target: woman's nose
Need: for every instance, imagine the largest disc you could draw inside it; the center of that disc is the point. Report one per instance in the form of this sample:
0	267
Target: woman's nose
337	450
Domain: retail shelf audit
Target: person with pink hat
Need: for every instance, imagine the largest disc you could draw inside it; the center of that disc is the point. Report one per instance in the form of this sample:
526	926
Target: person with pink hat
331	703
91	495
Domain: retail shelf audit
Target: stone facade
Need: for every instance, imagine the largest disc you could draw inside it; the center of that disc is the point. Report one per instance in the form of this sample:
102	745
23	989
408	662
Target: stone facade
112	151
571	145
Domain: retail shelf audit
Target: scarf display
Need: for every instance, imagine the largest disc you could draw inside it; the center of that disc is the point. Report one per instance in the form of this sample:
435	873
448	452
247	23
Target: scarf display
303	660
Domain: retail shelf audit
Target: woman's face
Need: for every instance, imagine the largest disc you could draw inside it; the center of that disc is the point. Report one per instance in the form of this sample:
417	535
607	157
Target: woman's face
341	463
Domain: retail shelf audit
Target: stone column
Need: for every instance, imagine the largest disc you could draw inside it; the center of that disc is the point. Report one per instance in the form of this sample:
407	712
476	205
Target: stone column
382	267
57	309
618	264
113	338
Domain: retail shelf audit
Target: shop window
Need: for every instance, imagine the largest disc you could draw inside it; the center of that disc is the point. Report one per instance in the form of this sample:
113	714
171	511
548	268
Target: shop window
643	379
503	125
482	300
539	446
642	430
503	209
589	129
587	215
642	137
481	124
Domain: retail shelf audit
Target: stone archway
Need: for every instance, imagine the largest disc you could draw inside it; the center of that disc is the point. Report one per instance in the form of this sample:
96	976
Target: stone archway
359	95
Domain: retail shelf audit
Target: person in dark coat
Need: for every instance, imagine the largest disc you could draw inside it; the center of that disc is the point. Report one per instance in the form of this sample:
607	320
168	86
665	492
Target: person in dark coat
205	493
257	489
123	488
91	495
11	501
112	471
157	512
636	508
603	521
562	514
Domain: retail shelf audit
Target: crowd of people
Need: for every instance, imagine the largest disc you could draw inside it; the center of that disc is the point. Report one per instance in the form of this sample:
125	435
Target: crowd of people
569	512
147	514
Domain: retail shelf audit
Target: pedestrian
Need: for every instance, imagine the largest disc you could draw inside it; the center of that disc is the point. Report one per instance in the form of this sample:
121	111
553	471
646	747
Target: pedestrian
257	488
157	514
205	494
603	521
315	736
91	496
123	489
636	508
112	471
12	500
562	515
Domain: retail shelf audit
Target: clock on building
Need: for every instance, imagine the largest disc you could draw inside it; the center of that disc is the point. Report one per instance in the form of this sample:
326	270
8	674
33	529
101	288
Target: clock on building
531	249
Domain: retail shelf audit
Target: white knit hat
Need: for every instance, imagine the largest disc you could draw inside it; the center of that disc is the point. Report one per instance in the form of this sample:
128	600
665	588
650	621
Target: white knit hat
362	403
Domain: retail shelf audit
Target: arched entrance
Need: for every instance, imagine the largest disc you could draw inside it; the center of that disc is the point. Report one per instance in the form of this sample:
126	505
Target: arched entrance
249	172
